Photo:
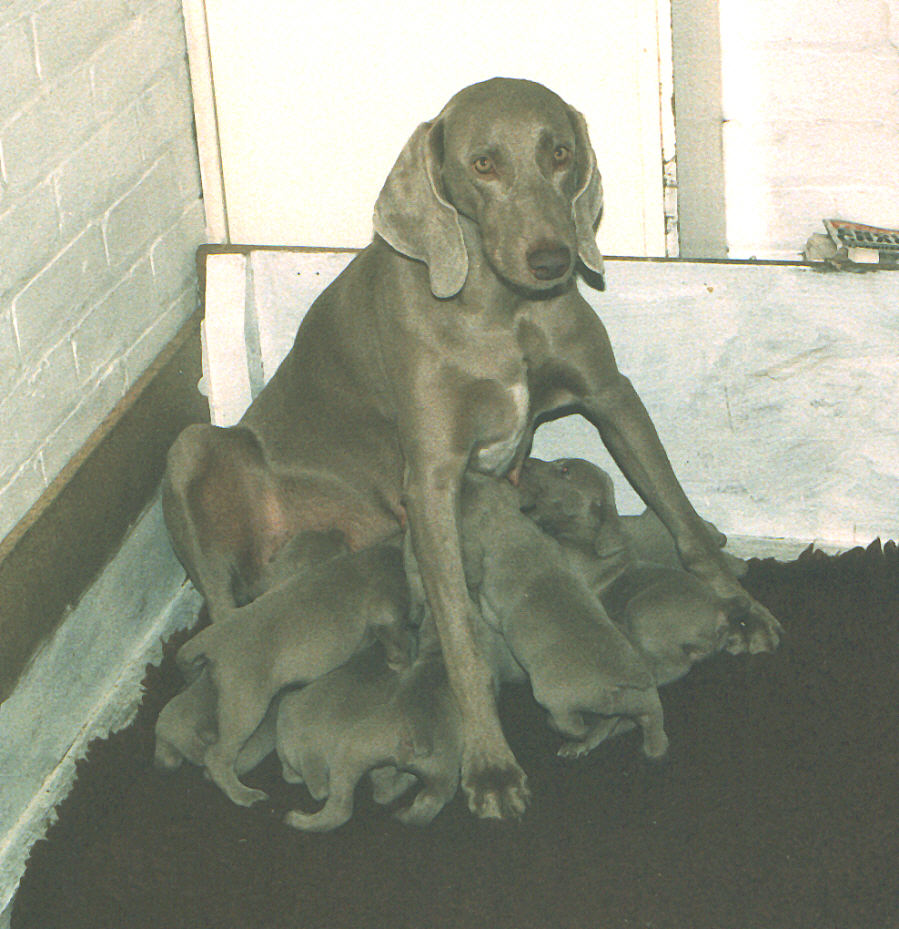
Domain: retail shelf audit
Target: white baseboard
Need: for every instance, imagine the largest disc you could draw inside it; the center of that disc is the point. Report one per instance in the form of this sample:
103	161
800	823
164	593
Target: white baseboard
744	546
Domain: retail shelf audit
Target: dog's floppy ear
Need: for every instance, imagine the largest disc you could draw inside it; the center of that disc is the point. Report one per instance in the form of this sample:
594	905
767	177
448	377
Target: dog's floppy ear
413	217
587	204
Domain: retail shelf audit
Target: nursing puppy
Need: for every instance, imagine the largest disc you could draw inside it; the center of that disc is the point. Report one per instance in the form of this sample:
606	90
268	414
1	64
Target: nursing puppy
187	724
671	617
294	633
365	716
574	501
581	667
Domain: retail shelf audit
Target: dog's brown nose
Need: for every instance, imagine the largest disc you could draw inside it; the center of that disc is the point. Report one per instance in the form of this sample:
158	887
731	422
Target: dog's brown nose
549	263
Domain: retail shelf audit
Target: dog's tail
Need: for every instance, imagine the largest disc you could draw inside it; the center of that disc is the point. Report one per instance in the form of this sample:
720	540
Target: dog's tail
337	810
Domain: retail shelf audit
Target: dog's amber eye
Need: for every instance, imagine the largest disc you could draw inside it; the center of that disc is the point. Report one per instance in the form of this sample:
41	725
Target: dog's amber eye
561	156
483	165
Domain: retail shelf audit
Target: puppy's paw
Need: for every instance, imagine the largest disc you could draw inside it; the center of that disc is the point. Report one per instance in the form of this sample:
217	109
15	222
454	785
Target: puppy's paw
166	757
239	793
571	751
248	796
496	788
422	810
389	784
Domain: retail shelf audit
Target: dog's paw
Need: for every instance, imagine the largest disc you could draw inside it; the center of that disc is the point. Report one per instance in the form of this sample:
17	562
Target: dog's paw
571	751
422	810
765	631
243	795
495	788
166	756
250	797
596	735
753	629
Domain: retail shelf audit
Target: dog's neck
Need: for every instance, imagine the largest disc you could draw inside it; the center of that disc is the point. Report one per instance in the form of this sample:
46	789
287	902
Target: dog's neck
483	287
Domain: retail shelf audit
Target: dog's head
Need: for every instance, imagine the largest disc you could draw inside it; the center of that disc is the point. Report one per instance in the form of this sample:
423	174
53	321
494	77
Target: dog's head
572	500
514	159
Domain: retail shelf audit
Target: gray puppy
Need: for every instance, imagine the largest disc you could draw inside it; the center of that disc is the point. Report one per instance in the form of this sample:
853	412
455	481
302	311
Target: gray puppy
671	617
364	717
295	633
581	667
187	725
574	501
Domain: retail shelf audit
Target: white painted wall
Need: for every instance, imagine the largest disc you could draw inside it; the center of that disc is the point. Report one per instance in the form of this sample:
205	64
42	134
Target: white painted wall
811	109
100	216
314	103
772	387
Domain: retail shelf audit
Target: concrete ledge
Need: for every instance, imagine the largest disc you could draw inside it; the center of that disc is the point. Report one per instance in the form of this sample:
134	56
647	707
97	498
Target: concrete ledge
85	683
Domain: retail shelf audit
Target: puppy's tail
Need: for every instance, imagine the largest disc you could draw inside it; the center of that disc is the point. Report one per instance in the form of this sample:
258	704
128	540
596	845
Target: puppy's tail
337	810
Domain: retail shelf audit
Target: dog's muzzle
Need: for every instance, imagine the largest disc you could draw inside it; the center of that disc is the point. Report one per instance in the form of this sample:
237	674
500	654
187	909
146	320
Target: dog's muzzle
549	263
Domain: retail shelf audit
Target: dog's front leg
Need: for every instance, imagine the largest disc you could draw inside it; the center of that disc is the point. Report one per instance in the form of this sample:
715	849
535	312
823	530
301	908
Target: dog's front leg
616	410
492	780
578	360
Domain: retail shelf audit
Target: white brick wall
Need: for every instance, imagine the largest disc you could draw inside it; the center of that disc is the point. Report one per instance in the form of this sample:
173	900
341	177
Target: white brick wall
811	108
100	217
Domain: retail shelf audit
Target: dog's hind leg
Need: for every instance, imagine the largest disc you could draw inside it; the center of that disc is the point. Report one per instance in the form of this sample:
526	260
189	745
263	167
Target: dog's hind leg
240	711
312	770
260	744
223	509
605	728
389	784
337	810
430	800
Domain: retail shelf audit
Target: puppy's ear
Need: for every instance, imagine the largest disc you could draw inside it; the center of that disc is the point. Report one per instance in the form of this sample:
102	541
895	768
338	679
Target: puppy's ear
413	217
587	204
607	540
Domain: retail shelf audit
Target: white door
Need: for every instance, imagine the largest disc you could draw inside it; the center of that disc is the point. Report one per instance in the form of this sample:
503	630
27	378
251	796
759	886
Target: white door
302	108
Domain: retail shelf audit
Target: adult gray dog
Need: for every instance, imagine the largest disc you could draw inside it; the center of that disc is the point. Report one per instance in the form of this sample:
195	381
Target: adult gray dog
436	350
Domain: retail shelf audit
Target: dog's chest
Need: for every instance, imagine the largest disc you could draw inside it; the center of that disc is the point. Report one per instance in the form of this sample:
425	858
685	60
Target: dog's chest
505	426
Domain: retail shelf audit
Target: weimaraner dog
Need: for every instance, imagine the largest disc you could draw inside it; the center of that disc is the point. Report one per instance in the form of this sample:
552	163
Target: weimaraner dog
436	350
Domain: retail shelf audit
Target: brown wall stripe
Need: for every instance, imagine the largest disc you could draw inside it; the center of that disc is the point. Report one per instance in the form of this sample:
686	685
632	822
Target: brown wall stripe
62	544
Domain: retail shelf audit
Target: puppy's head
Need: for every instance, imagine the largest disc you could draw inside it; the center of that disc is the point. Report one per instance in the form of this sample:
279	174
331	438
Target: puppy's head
572	500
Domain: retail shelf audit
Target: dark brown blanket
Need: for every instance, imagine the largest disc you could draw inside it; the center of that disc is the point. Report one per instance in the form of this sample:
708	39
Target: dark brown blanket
778	807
